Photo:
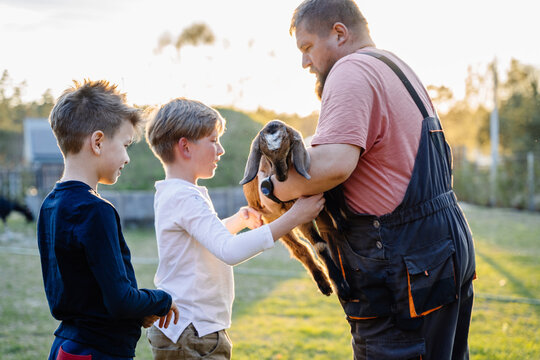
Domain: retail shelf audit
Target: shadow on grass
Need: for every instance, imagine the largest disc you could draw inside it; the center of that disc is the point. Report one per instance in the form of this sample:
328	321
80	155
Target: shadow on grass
279	313
520	288
257	278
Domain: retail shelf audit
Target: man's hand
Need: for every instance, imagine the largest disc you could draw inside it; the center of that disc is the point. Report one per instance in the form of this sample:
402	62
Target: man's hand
164	321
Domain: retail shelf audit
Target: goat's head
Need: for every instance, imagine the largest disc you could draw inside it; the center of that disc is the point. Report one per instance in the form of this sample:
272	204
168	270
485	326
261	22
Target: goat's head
281	145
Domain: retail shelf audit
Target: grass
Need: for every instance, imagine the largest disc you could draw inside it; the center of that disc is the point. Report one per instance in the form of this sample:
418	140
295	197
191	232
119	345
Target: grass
278	313
507	252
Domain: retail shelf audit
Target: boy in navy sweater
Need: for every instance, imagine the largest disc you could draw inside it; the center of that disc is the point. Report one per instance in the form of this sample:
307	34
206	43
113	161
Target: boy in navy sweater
89	280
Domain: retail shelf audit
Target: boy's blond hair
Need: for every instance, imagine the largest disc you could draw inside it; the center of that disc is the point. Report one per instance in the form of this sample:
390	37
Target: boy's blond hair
180	118
88	107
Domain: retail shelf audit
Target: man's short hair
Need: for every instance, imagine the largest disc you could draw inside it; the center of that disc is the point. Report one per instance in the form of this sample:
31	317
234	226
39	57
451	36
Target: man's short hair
88	107
319	16
180	118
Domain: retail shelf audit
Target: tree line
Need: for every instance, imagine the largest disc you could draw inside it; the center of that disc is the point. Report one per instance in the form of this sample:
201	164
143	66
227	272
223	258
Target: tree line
466	120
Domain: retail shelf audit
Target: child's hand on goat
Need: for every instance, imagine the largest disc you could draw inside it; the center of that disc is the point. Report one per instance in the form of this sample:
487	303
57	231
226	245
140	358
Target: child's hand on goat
251	217
307	208
246	217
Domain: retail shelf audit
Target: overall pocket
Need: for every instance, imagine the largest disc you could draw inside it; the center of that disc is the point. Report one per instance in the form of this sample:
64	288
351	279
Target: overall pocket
367	277
431	278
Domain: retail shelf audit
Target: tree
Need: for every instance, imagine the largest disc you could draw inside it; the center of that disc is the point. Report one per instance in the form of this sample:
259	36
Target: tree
462	119
306	125
41	108
519	110
13	111
195	34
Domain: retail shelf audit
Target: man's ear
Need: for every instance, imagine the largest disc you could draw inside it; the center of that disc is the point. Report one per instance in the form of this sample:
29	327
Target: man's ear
341	32
96	141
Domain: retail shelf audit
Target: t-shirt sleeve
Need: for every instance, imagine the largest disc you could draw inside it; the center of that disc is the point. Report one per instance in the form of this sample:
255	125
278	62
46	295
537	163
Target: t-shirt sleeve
99	234
202	223
347	105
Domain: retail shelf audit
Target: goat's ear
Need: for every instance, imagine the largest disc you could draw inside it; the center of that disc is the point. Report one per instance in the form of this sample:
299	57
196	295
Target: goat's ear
252	165
300	156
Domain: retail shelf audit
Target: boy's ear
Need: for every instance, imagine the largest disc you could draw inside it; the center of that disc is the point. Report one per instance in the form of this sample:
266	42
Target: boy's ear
184	149
96	141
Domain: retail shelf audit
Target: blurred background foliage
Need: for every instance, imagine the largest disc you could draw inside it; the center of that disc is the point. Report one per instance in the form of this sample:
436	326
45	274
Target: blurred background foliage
466	124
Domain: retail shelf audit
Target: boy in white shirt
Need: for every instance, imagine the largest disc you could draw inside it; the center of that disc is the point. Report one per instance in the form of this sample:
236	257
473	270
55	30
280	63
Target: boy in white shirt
196	249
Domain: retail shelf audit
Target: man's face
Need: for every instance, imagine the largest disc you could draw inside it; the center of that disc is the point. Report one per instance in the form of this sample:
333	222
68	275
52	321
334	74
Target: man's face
319	54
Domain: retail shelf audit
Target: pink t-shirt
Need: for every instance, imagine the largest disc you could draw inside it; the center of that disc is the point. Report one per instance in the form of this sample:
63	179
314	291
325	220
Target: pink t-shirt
365	104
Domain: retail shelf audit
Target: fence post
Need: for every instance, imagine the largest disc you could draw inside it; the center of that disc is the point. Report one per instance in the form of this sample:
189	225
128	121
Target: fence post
530	179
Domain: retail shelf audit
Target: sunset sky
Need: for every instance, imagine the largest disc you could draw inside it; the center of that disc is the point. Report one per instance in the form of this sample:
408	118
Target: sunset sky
254	61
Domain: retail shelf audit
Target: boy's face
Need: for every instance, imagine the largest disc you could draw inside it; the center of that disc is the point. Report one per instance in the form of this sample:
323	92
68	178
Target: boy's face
114	154
206	154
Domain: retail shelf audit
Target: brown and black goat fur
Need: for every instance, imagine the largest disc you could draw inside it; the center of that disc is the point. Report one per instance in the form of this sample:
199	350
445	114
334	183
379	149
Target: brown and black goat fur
273	151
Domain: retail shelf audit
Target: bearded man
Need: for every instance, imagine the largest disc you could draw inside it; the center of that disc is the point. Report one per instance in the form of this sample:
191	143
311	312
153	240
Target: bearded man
409	254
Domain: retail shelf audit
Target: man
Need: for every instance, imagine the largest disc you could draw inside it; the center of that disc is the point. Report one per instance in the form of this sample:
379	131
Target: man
409	255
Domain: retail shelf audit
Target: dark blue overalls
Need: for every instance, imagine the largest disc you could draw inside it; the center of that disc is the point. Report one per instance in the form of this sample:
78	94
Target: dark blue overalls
411	270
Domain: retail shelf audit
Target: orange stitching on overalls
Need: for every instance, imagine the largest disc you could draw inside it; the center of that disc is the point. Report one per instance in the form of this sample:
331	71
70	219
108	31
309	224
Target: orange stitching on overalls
341	264
343	271
362	318
412	309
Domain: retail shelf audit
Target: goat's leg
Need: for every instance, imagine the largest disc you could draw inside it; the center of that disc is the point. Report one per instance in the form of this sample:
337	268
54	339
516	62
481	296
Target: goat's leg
305	255
324	251
336	207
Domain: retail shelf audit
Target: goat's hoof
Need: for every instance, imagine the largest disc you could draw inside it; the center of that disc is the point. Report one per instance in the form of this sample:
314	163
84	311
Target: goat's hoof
325	288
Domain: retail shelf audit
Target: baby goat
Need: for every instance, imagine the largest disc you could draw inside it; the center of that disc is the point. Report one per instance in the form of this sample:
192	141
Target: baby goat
273	151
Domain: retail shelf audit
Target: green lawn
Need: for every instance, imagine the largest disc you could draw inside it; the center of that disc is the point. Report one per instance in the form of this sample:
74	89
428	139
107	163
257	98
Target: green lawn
279	314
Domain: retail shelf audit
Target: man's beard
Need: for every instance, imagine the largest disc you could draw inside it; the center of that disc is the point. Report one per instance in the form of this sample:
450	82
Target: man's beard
319	85
321	79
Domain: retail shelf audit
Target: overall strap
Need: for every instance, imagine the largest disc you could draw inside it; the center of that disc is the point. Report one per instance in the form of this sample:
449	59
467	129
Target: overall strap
403	79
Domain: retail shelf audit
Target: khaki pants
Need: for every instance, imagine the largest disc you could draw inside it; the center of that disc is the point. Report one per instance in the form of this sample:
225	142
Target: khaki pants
215	346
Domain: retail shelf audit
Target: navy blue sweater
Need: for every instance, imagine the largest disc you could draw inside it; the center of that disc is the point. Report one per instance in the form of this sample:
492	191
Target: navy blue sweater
89	280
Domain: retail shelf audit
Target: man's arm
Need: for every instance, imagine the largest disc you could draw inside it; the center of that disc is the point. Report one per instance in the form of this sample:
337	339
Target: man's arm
331	165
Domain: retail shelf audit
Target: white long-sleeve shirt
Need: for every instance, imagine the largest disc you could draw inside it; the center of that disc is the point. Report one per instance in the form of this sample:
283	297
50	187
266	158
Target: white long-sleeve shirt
196	253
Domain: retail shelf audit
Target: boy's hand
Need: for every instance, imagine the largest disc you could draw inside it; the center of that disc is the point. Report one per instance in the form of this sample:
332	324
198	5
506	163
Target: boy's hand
164	321
307	208
147	321
250	217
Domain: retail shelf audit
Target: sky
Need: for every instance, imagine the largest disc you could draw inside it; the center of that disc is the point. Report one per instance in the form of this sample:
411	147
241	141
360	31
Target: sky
253	61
